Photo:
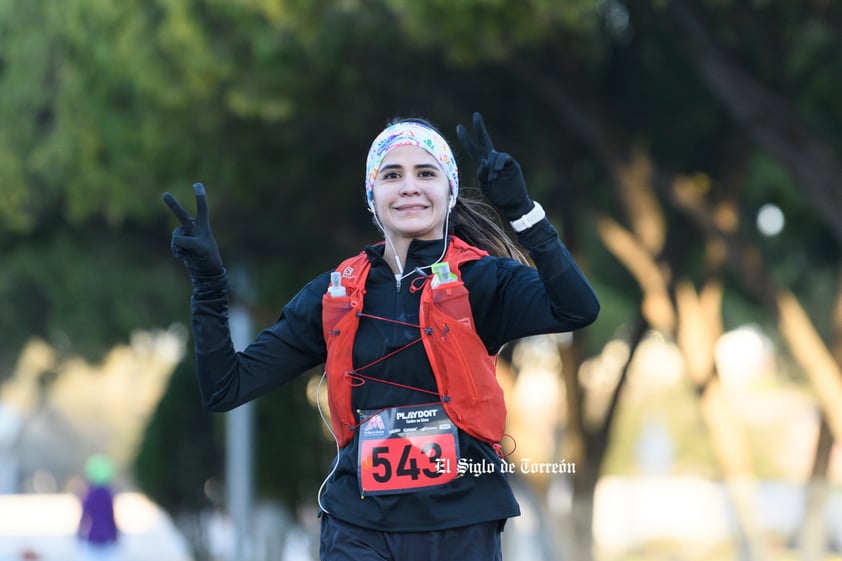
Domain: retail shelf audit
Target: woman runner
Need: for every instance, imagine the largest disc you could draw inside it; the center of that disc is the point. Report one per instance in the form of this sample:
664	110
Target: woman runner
408	330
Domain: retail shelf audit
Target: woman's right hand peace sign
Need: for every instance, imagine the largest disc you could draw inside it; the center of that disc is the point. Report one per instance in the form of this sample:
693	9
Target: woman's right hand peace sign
192	240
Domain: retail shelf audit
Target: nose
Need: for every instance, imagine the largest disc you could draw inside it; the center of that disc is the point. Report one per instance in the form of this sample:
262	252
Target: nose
409	186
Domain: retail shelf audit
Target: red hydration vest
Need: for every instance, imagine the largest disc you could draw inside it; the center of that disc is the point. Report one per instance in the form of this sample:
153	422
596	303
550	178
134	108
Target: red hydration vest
465	374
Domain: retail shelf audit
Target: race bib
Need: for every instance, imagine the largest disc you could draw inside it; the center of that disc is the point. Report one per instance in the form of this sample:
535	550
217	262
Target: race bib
403	449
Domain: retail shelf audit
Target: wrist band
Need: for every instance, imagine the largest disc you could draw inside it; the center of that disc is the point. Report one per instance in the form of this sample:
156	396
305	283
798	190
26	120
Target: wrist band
529	219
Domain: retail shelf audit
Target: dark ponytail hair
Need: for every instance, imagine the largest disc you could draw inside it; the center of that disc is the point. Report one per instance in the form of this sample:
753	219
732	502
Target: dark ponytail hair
474	220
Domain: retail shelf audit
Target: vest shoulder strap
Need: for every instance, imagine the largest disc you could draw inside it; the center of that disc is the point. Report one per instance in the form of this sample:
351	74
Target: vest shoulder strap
459	251
354	272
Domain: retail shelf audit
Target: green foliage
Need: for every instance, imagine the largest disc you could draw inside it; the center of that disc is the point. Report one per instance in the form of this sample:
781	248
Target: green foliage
83	289
482	30
803	257
105	106
182	447
293	451
182	453
675	102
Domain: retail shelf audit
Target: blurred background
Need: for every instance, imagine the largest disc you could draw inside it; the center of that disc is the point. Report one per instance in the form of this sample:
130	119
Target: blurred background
689	152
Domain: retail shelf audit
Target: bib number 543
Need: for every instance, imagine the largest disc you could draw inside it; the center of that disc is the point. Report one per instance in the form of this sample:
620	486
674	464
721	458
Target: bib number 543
401	464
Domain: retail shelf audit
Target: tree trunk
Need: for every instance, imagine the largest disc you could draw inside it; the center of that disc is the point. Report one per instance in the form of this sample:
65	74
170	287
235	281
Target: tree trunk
586	442
813	534
584	487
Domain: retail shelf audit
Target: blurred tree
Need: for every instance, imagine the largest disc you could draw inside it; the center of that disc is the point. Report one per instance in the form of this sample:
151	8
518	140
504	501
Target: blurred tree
104	106
180	463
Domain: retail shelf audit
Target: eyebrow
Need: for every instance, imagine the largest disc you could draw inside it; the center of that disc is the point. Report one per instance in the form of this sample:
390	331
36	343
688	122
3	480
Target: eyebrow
400	167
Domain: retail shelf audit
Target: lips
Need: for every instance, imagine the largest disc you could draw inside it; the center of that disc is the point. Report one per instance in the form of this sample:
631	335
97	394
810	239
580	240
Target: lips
411	208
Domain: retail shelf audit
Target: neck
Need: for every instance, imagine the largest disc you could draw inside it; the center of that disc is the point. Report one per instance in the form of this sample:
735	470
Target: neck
400	249
397	249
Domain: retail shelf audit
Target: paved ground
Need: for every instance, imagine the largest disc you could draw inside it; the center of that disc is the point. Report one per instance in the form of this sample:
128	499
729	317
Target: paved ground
629	512
42	528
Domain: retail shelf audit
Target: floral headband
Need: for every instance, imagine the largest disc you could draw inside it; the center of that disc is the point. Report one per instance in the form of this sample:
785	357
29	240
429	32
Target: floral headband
410	134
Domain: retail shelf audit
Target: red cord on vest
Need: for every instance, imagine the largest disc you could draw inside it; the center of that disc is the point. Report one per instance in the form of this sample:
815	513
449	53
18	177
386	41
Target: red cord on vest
498	447
360	379
384	357
389	320
357	379
413	288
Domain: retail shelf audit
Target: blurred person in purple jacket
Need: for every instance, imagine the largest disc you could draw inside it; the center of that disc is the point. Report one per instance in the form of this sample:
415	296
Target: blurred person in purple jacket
98	531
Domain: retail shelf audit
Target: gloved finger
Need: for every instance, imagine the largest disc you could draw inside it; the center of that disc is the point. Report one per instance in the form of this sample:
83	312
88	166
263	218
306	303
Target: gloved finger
482	172
201	203
500	160
471	147
177	209
176	251
496	163
482	134
188	244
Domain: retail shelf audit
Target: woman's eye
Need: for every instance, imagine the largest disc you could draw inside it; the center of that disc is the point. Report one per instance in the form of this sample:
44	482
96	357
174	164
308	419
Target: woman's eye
390	175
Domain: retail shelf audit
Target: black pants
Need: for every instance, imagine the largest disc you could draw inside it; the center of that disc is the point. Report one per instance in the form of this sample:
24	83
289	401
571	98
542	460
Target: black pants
341	541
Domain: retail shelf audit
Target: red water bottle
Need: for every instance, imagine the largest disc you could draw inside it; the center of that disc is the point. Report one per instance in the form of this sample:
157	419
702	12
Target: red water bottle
335	304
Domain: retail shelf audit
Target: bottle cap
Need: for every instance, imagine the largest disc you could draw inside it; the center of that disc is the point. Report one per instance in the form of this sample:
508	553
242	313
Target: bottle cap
442	274
336	290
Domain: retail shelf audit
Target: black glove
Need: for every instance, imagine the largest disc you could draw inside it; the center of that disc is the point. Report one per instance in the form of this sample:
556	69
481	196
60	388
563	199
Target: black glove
192	241
499	175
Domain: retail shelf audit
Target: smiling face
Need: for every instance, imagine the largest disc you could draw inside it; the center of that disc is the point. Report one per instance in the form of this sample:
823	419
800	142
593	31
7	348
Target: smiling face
411	195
